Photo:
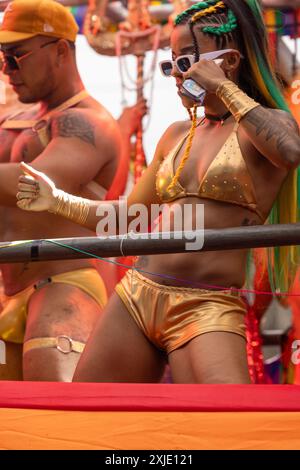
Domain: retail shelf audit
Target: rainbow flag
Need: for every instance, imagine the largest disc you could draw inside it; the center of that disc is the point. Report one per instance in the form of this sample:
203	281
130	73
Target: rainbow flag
79	15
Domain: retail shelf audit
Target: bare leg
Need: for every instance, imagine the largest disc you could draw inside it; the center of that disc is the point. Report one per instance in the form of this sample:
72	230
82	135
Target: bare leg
57	309
217	357
118	351
12	369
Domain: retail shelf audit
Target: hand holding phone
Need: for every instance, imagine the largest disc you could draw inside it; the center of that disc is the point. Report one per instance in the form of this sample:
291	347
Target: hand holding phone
192	90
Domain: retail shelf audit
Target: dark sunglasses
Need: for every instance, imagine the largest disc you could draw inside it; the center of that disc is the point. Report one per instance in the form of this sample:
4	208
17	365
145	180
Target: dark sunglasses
13	62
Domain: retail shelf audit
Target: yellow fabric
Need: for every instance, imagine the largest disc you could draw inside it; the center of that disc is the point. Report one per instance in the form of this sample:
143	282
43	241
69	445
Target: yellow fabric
19	124
40	126
227	179
24	19
14	314
171	316
27	123
92	430
63	343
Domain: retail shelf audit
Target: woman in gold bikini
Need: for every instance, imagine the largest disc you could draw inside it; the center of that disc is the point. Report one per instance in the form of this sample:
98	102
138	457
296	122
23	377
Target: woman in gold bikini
240	161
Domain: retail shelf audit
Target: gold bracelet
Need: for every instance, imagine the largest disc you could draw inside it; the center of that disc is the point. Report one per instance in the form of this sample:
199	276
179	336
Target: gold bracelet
71	207
236	100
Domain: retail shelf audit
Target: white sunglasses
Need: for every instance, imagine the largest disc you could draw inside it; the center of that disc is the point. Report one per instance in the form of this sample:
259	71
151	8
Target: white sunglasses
184	62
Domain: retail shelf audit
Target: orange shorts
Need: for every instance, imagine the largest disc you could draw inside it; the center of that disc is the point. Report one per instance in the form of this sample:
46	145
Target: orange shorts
171	316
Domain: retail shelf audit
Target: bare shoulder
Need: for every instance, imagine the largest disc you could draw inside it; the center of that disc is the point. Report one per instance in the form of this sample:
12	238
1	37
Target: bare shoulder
98	113
171	136
177	128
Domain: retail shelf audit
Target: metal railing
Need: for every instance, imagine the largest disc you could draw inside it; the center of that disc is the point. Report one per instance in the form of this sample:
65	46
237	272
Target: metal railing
149	243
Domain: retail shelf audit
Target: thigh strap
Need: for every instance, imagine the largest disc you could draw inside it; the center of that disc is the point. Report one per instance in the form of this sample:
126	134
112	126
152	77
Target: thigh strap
63	343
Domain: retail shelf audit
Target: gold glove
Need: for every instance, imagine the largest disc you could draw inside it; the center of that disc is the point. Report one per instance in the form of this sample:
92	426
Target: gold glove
71	207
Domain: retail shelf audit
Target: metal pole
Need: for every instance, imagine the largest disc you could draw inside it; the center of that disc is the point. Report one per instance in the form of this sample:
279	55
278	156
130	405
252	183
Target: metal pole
150	244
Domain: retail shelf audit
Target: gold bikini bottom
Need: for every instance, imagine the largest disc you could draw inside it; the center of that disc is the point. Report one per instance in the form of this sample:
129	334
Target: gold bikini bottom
171	316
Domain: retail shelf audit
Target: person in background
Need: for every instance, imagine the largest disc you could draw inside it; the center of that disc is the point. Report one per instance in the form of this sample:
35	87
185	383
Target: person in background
53	306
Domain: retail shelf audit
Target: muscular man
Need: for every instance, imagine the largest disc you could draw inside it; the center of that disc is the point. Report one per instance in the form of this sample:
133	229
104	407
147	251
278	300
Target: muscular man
50	306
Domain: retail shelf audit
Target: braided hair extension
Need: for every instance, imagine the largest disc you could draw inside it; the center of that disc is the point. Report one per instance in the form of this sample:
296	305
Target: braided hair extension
210	11
238	24
185	15
188	147
192	15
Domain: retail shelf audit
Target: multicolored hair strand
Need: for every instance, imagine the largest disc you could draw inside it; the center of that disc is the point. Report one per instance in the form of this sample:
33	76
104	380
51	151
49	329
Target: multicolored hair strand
241	22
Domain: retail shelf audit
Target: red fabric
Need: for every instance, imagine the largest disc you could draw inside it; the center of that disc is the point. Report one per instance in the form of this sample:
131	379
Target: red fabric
289	352
119	182
149	397
254	348
294	303
273	44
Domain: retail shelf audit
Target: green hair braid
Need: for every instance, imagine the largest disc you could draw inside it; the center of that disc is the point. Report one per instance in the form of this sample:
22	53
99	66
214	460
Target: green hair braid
218	30
224	28
194	8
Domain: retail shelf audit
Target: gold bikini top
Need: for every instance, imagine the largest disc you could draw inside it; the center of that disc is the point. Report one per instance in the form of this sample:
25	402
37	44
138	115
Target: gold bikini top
227	179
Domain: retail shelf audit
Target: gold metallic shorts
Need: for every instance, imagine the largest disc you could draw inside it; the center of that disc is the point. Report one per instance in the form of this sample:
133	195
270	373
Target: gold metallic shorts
14	314
171	316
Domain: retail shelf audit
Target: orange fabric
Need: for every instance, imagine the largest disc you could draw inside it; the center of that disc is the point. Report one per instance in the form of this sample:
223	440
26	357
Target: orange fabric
28	18
292	96
46	429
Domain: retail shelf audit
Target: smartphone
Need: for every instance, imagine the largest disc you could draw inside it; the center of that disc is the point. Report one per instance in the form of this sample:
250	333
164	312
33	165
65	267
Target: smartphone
192	90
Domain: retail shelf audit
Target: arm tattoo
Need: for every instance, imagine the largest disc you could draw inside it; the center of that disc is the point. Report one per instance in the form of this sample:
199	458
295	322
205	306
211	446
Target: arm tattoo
274	127
74	124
